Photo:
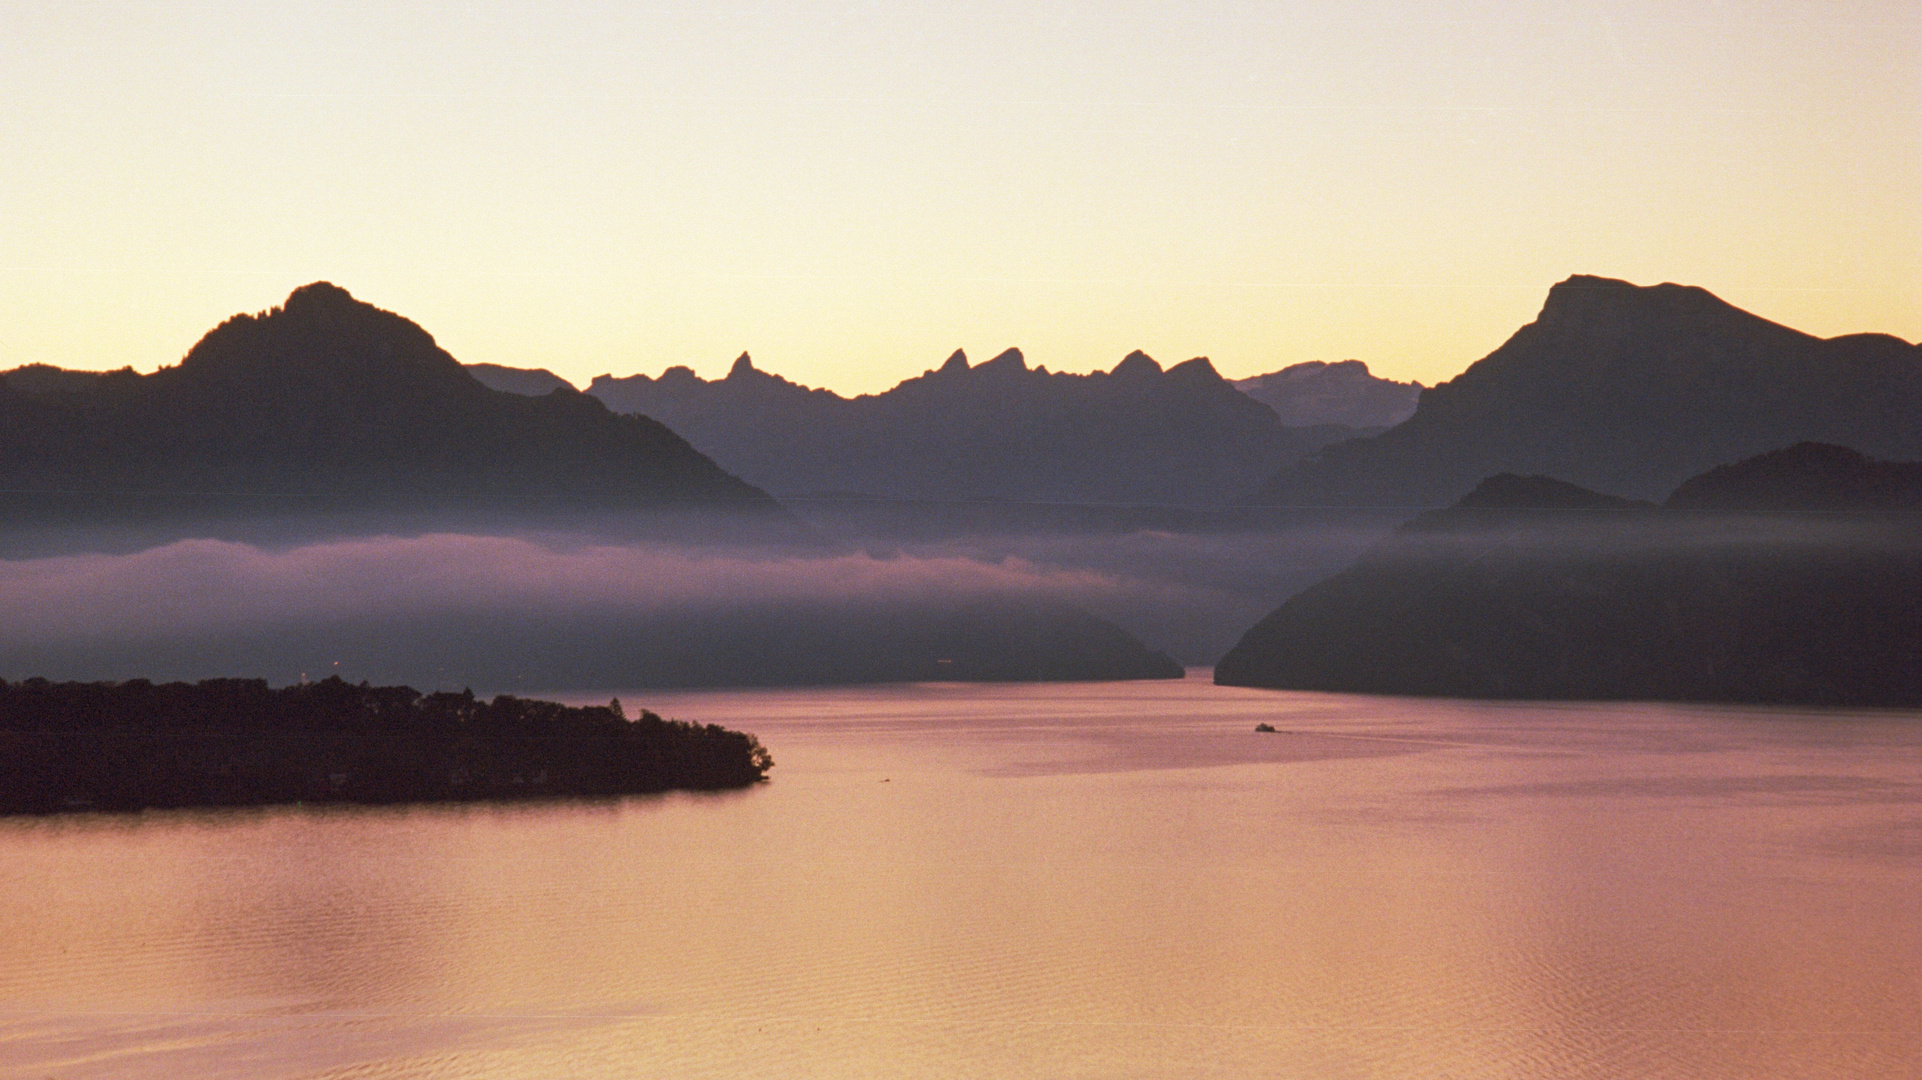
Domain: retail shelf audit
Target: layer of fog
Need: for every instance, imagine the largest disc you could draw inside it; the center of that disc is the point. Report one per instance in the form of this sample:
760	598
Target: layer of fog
1190	593
134	590
194	585
1458	534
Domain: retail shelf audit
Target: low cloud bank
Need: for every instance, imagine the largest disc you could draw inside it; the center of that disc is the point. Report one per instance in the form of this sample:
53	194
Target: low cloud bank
193	585
513	612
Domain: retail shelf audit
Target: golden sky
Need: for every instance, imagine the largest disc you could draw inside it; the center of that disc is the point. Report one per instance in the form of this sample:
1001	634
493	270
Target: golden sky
853	190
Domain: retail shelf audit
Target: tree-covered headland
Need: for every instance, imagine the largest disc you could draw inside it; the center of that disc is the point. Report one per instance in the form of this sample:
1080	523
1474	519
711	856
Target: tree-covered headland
238	742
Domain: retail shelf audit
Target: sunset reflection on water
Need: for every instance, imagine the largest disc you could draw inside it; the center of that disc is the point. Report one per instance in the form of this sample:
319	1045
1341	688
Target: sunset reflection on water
1057	880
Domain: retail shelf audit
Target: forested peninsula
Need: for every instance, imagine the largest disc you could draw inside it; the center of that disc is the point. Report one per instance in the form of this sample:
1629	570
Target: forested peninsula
238	742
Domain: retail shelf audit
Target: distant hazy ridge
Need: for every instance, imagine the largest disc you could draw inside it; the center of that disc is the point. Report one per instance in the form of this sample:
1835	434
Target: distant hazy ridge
997	430
1344	393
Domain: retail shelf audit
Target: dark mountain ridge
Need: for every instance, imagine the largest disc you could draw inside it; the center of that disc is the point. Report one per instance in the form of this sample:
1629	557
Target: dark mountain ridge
1628	390
531	382
1794	577
1808	477
47	381
996	430
328	396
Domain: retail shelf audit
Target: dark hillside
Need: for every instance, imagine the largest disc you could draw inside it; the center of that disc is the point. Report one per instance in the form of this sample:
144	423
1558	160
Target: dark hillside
330	398
1627	390
1771	580
1806	477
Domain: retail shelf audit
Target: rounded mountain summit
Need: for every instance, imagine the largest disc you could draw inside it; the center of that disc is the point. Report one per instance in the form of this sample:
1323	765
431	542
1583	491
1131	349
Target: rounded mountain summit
328	396
1626	389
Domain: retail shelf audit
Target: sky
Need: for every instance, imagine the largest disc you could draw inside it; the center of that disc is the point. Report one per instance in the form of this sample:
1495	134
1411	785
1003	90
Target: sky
852	191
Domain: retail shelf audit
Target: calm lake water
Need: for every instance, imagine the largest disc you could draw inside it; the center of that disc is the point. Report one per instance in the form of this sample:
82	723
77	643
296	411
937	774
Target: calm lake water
1111	880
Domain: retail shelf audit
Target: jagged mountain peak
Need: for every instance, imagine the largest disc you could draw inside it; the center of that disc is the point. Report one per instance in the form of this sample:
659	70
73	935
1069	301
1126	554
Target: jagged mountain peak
319	296
1198	369
999	429
1008	360
1135	365
322	335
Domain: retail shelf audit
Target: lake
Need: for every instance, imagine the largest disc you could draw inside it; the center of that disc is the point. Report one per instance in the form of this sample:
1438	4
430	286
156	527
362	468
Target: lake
1055	880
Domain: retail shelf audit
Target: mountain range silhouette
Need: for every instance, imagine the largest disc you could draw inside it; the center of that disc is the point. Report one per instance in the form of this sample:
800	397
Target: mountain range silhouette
996	430
1627	390
327	416
328	396
1622	393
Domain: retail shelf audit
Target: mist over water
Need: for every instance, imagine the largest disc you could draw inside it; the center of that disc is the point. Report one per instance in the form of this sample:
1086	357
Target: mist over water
297	596
194	584
1112	879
